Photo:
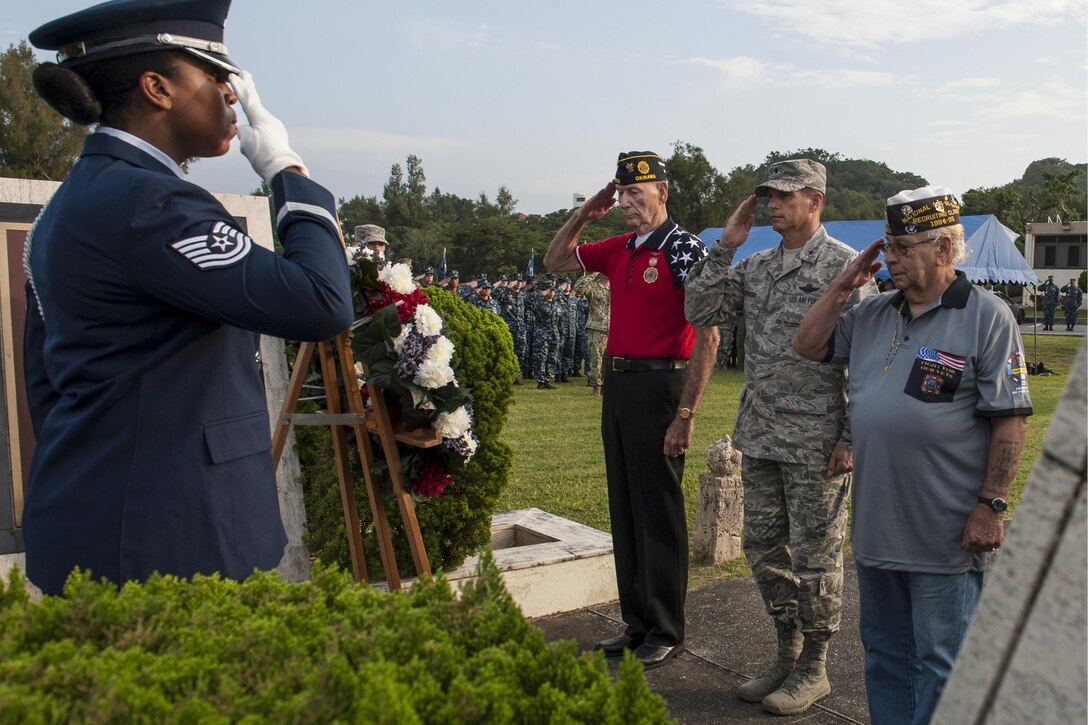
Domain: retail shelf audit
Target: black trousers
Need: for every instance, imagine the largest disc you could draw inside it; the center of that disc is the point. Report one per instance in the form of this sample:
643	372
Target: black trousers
646	502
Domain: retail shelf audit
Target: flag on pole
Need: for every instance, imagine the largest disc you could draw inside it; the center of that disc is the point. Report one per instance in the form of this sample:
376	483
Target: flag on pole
529	268
442	265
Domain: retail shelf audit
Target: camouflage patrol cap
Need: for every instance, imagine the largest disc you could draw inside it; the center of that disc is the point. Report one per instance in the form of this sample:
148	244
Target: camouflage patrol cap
428	270
454	274
502	278
370	234
794	175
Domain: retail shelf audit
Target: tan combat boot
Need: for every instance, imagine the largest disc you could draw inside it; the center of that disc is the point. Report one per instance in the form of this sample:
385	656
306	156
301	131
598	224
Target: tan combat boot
789	646
806	684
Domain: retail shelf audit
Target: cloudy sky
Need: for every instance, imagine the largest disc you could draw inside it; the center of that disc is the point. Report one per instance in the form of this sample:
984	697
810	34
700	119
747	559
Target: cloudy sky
540	97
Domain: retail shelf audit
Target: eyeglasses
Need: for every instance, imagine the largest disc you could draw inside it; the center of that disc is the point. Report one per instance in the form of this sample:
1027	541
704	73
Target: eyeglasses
901	249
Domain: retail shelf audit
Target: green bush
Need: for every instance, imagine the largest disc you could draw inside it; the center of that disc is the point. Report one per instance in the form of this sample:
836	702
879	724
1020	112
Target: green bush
323	651
458	522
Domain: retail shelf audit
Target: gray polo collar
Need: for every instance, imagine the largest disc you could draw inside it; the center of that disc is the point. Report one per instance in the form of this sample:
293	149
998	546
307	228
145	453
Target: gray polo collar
955	297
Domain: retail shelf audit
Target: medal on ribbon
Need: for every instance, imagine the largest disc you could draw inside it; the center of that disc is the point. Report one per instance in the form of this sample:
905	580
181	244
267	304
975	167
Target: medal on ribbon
650	275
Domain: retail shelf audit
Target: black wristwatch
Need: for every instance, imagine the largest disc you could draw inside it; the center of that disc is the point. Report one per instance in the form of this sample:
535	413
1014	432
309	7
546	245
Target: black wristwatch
997	504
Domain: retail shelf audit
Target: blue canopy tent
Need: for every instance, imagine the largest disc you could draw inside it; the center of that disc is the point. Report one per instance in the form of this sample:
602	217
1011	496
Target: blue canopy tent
994	256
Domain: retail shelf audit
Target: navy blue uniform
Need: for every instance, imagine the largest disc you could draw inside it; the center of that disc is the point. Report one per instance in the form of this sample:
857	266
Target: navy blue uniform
143	379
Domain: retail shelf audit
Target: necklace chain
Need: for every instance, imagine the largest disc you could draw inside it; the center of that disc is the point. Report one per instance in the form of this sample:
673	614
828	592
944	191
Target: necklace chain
895	339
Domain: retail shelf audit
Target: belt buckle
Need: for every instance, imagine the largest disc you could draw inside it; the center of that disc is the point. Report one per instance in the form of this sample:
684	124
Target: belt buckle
614	368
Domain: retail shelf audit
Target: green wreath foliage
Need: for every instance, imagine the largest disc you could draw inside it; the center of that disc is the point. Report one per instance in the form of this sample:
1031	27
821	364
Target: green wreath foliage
456	523
321	651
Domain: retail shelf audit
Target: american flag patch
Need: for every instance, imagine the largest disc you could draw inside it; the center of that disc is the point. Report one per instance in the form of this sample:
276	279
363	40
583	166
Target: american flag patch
944	358
223	247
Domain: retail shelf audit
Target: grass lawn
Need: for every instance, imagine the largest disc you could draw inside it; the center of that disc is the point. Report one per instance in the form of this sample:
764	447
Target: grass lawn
559	463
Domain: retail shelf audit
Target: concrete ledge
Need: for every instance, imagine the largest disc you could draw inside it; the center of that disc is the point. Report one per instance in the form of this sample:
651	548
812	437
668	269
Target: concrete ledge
549	564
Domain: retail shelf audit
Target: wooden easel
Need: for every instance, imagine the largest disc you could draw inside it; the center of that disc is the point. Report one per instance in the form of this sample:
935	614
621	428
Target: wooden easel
331	355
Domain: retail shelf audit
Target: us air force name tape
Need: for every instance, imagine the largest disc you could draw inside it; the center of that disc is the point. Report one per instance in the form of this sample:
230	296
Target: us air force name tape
635	167
918	210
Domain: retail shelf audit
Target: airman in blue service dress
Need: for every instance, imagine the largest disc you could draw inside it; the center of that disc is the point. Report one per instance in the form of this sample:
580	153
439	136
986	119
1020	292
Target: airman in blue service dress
146	302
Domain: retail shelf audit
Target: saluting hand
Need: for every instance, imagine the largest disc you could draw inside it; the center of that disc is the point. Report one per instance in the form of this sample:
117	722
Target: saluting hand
264	140
599	204
861	270
739	224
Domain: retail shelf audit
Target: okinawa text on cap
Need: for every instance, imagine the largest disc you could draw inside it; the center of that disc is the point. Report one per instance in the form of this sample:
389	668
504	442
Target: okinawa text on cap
129	27
635	167
918	210
794	175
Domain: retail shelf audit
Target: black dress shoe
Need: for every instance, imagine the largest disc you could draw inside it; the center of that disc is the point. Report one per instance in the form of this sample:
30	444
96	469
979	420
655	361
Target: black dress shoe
655	655
615	646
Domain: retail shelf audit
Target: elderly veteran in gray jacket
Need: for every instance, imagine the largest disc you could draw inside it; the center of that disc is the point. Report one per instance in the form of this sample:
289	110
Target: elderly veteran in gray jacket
791	425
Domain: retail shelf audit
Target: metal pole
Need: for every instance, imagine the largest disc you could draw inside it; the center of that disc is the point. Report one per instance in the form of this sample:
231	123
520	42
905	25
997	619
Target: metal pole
1035	324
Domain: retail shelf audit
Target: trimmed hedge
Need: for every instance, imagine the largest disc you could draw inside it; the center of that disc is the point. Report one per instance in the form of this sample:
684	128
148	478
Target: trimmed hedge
457	523
322	651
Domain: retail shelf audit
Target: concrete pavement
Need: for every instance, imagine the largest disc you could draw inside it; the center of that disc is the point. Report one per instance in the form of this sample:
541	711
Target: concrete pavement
729	640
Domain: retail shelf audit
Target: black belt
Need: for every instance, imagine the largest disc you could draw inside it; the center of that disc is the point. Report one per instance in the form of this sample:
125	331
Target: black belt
641	365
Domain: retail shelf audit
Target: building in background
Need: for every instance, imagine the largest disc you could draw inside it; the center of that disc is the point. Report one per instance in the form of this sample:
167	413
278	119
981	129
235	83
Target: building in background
1056	248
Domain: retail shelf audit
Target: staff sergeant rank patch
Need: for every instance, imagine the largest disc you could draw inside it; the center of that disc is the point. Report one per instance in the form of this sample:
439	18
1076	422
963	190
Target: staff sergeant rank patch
222	247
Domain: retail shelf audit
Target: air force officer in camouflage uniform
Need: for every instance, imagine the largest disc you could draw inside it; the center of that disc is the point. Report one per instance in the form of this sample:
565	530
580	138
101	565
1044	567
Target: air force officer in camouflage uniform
790	425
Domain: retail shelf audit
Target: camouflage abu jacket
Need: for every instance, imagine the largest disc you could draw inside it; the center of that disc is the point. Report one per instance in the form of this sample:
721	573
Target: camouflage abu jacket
593	289
792	409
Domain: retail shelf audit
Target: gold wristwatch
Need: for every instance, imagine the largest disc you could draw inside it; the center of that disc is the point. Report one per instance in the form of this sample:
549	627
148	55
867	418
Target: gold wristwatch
686	413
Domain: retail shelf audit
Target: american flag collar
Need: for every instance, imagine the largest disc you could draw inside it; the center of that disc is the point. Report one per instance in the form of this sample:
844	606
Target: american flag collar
681	249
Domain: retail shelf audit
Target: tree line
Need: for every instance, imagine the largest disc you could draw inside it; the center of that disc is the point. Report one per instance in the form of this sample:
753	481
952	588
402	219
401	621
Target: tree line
487	234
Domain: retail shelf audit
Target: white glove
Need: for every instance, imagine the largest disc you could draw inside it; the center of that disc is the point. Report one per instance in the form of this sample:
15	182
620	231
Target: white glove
264	140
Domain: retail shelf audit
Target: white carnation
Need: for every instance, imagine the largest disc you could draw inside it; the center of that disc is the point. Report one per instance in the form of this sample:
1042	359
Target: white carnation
433	375
428	322
441	351
399	278
455	424
398	341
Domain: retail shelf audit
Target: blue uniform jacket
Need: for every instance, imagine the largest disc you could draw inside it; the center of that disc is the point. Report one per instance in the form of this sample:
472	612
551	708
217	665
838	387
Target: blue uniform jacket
142	372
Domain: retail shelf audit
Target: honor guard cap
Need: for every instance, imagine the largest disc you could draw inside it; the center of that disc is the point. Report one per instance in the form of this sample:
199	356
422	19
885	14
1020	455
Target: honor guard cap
794	175
130	27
